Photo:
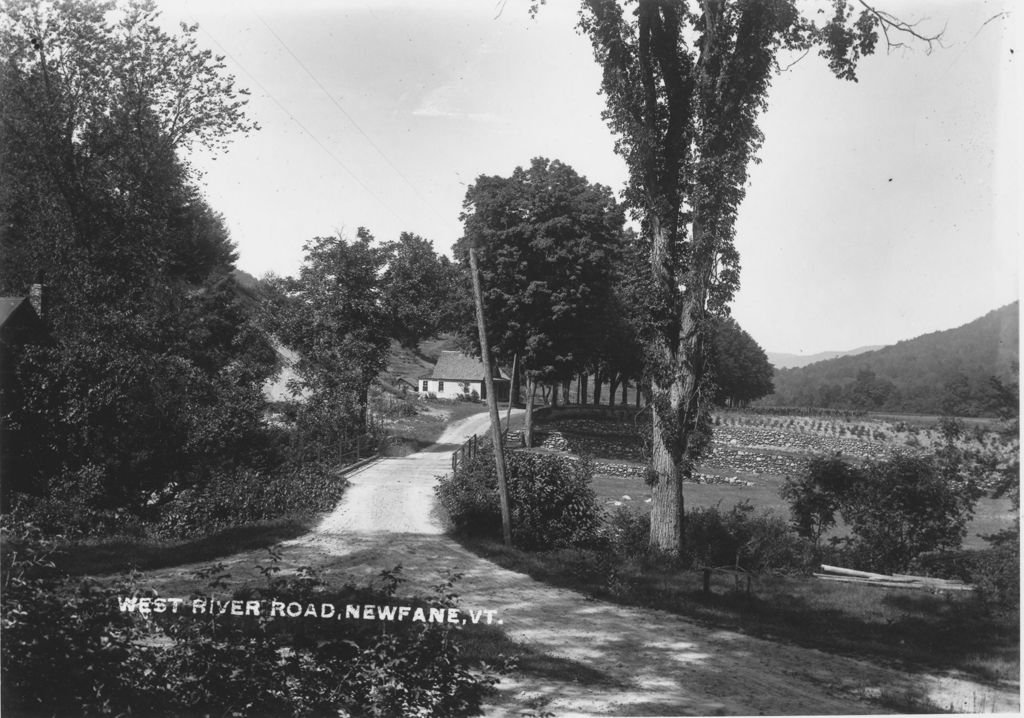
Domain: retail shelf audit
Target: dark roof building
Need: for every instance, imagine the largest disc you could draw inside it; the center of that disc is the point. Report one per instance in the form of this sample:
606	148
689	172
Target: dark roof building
456	366
459	375
20	326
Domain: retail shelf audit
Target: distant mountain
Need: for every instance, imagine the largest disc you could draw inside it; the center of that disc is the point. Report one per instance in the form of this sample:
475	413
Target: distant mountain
782	360
941	372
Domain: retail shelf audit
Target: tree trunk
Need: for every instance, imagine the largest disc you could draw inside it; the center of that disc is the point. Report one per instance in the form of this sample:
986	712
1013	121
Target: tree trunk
613	385
565	391
667	492
516	385
597	388
554	395
583	388
364	403
531	389
678	433
625	388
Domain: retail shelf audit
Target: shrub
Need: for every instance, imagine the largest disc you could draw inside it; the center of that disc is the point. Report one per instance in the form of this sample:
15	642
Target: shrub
903	507
714	537
896	509
994	572
551	501
56	634
816	495
245	495
553	504
629	531
738	537
74	503
470	496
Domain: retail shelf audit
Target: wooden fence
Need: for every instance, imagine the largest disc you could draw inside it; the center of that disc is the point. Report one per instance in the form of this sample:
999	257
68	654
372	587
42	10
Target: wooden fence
466	452
342	450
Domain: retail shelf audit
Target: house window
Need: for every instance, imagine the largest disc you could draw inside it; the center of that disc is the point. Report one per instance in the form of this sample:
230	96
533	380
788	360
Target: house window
426	385
440	386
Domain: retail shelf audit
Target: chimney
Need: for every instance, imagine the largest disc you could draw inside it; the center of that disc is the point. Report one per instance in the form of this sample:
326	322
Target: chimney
36	297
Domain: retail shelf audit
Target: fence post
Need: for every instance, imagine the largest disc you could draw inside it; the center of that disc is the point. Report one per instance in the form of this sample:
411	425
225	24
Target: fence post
455	461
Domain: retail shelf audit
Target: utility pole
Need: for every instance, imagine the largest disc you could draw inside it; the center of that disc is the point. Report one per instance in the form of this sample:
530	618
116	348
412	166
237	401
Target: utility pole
511	381
492	403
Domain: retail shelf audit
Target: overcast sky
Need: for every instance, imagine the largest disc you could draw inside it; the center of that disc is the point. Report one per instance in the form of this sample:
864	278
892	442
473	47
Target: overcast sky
881	210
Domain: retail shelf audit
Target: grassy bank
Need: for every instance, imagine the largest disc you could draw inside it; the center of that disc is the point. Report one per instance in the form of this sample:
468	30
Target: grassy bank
915	629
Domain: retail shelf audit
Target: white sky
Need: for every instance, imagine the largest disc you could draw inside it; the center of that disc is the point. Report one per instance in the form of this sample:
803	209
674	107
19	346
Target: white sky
881	210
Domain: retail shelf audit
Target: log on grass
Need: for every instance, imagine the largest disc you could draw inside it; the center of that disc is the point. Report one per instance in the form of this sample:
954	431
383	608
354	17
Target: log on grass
857	574
917	585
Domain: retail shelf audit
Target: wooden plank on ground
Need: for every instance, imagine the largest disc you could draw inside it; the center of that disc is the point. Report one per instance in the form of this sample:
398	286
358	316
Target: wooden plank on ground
917	585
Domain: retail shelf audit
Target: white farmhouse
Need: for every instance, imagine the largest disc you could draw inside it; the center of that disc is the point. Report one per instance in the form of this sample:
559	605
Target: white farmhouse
457	375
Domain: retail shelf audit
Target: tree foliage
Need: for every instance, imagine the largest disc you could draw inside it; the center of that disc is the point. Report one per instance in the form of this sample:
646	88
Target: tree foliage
816	495
422	290
333	314
546	241
351	298
155	370
896	509
742	371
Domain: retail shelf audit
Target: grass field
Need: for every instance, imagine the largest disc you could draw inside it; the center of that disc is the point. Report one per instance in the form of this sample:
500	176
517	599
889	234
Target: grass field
761	449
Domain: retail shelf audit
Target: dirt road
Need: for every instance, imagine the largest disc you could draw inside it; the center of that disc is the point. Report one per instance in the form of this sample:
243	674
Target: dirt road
638	661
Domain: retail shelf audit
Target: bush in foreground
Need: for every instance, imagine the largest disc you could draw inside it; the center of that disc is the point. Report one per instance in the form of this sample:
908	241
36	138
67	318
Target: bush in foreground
551	500
896	509
230	497
713	537
70	651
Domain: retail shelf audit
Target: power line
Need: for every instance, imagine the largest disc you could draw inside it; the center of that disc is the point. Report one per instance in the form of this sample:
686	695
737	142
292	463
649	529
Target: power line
296	120
349	117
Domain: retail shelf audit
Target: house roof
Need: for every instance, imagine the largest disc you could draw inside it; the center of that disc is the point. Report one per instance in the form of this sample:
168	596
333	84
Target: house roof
8	305
456	366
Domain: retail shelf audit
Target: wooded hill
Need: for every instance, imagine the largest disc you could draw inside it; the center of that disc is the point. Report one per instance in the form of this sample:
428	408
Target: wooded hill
943	372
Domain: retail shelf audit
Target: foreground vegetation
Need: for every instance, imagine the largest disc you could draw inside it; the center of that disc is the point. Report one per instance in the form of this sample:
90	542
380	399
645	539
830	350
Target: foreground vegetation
164	662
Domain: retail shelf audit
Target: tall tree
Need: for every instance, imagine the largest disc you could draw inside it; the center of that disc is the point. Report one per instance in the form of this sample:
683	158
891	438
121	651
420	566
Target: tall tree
155	371
684	84
333	315
97	100
546	239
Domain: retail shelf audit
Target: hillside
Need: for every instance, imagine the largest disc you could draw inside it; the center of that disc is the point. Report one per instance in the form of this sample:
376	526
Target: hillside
783	360
942	372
